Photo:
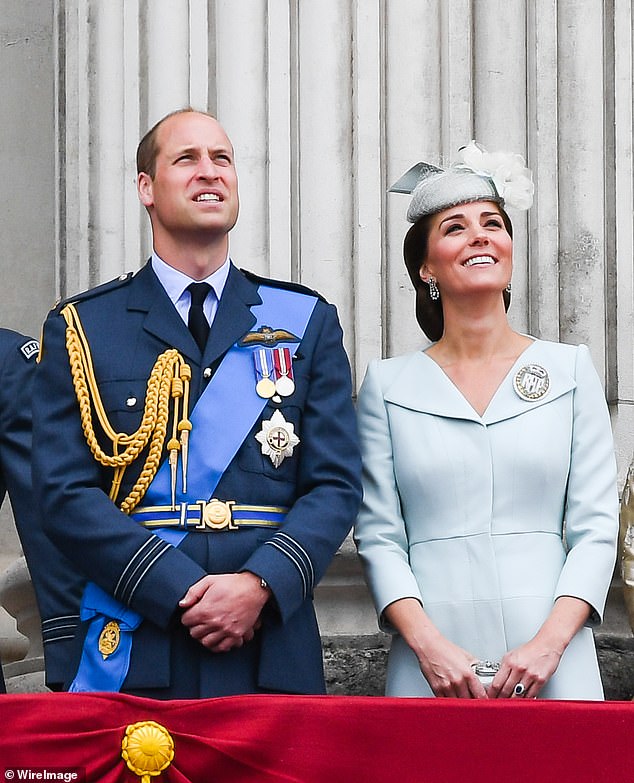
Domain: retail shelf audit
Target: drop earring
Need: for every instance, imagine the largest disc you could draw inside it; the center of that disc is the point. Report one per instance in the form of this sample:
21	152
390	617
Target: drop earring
434	293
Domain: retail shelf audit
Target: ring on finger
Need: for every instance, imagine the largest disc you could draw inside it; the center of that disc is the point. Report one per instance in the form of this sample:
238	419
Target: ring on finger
519	690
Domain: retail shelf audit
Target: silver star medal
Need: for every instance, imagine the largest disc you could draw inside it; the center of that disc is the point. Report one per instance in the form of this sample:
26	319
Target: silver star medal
278	438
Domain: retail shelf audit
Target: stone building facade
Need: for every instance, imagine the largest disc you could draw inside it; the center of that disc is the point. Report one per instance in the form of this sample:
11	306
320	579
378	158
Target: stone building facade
327	103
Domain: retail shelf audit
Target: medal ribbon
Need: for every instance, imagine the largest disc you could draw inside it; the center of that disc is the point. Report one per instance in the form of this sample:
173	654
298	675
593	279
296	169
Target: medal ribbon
283	363
263	371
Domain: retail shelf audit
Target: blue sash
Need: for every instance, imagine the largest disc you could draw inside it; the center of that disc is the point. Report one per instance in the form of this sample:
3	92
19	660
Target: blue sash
94	672
213	442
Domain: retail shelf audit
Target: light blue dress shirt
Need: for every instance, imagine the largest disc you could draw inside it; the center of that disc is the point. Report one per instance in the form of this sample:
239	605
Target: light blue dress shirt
175	284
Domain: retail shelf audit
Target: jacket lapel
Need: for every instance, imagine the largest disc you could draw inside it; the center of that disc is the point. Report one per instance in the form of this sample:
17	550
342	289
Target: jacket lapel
162	320
507	403
233	317
421	385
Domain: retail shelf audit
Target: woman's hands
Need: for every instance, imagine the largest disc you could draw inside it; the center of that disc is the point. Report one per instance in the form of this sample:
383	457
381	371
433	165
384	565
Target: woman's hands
448	670
532	664
445	666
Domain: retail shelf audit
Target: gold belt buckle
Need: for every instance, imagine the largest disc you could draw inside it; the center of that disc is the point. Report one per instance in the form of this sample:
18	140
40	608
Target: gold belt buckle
217	515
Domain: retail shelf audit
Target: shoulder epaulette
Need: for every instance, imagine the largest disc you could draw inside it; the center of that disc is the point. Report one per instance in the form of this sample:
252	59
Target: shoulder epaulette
287	285
90	293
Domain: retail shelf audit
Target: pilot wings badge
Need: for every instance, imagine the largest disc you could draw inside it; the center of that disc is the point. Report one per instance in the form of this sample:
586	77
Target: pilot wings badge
277	438
268	337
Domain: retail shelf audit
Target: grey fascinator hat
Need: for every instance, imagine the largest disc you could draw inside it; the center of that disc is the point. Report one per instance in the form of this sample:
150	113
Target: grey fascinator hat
476	175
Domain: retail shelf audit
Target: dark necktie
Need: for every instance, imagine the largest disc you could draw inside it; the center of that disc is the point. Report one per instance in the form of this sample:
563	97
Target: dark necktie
196	321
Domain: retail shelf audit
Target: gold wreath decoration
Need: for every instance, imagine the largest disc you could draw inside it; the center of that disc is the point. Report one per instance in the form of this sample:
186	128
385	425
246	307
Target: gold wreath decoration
147	748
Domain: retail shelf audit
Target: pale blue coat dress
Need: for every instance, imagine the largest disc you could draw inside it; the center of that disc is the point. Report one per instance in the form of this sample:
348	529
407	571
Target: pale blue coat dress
466	513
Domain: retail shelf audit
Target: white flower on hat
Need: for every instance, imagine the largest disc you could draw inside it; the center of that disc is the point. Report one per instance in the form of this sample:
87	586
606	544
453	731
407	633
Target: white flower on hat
512	180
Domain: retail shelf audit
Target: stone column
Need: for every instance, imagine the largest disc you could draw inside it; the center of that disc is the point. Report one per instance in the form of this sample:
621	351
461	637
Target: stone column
23	656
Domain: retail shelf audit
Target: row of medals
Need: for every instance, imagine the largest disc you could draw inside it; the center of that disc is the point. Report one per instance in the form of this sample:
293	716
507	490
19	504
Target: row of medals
274	370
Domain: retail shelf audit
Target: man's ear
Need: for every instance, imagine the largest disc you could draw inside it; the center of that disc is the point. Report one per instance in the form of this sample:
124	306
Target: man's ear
145	189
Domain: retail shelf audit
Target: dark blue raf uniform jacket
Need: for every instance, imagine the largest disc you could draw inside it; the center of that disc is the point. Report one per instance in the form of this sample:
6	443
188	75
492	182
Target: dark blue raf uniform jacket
128	324
56	586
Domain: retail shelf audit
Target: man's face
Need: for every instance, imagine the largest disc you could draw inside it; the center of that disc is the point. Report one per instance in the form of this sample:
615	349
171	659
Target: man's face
194	192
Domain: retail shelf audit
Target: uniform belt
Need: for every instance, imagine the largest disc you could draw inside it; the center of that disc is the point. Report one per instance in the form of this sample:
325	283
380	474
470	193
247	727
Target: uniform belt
209	516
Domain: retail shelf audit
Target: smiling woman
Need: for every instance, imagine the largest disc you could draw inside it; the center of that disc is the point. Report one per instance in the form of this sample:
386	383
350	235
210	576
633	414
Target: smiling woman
428	208
461	526
463	241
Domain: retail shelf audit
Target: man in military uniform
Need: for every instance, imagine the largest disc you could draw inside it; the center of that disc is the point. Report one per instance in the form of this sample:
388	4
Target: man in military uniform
57	587
201	479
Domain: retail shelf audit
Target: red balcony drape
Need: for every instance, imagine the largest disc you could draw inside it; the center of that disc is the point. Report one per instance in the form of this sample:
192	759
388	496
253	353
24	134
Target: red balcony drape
328	739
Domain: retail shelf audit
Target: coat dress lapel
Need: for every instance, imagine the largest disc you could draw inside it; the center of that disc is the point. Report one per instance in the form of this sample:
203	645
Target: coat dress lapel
421	385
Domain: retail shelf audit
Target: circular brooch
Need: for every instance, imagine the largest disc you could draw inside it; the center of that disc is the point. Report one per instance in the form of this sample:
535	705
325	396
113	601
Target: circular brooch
531	382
